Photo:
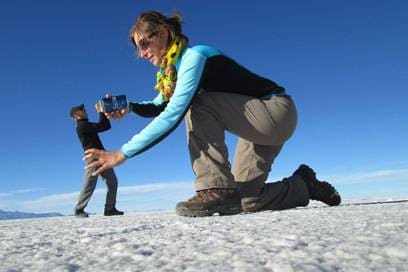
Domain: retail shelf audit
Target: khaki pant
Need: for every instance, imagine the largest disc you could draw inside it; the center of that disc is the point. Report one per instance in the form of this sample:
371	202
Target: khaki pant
263	126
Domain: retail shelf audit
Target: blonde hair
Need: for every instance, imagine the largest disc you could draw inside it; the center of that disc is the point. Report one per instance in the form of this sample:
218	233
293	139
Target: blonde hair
151	21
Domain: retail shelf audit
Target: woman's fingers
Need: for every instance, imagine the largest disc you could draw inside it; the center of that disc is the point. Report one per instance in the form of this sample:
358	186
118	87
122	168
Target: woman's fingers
95	164
99	165
101	160
99	170
115	114
90	153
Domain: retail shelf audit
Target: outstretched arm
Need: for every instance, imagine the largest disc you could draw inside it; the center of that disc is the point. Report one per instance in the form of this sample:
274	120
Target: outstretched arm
189	76
147	109
102	125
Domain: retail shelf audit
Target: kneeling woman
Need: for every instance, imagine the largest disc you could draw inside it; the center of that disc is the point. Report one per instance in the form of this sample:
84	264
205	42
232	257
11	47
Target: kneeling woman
215	94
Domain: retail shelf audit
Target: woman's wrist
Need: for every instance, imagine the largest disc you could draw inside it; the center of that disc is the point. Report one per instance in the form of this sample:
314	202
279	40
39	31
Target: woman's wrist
120	157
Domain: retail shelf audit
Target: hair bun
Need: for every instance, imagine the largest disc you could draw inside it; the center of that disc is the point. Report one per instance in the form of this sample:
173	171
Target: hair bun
175	20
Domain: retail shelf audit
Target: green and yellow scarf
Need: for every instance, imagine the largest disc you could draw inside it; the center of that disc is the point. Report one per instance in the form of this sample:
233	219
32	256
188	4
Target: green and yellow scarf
166	77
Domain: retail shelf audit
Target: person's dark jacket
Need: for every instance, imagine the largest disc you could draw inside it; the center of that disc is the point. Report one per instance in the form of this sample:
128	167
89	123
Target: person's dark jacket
88	132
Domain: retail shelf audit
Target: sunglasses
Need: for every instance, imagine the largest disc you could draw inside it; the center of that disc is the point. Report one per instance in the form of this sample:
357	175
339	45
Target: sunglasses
145	42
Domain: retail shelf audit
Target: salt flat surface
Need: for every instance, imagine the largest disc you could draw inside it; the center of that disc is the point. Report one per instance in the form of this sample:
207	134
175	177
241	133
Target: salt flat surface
372	237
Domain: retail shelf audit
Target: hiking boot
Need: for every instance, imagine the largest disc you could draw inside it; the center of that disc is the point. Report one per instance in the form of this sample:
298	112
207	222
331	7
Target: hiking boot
81	213
318	190
208	202
112	212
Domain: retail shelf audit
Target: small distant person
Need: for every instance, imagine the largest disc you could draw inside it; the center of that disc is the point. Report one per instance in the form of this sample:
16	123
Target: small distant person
88	135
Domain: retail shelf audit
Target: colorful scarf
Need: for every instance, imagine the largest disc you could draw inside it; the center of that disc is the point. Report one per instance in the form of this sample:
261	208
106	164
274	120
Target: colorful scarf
166	77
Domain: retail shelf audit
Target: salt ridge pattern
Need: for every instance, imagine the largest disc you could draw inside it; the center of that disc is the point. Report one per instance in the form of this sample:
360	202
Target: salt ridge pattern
371	237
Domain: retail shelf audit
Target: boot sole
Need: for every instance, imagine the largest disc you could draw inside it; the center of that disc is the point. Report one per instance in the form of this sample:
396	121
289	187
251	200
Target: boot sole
335	199
116	214
183	211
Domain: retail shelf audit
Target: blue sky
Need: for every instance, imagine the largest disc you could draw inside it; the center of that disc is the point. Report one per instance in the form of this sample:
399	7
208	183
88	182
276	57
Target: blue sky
345	63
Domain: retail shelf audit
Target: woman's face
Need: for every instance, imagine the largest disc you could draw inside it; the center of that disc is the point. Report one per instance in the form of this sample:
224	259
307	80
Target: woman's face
152	46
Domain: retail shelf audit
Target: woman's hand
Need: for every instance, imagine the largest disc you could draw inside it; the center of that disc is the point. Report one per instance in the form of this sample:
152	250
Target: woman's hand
117	114
102	160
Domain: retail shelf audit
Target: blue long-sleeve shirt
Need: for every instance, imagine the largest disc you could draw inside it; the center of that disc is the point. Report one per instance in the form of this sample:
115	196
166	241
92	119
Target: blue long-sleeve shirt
199	69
